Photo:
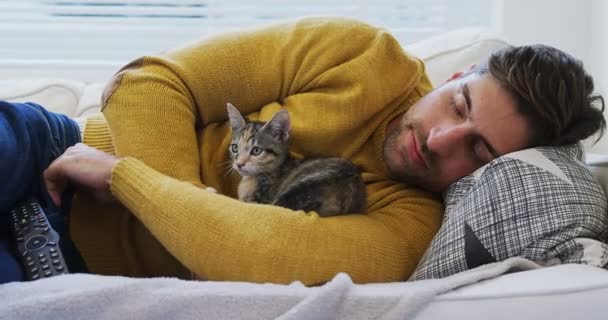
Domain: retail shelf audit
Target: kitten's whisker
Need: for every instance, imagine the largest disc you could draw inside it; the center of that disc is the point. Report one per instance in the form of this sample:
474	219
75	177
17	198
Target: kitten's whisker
230	170
227	167
229	161
225	164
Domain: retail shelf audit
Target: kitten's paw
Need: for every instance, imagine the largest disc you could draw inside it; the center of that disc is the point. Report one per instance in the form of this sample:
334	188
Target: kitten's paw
210	189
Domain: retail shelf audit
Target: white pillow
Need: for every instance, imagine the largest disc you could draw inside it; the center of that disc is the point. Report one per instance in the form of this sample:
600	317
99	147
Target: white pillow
58	95
455	51
66	96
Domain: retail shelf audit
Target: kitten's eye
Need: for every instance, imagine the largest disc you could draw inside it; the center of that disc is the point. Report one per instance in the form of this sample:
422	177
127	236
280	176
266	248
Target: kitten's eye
234	148
255	151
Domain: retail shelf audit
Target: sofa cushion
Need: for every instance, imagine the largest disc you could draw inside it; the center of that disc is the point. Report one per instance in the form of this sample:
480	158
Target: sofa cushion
58	95
541	203
454	51
70	97
568	291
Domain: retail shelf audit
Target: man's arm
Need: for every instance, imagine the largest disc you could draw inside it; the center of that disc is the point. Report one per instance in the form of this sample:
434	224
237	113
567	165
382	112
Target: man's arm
233	240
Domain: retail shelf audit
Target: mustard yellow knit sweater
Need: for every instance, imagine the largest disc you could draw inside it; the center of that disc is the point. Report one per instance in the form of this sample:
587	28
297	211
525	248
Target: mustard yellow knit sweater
342	82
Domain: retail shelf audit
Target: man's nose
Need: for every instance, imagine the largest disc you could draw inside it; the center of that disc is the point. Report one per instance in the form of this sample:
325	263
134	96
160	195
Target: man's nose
443	140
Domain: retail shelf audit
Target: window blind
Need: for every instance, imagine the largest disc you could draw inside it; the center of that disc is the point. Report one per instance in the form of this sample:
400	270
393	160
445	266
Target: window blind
89	39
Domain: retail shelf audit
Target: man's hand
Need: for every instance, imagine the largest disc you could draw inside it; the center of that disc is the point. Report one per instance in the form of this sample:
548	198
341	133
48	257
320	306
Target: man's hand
83	166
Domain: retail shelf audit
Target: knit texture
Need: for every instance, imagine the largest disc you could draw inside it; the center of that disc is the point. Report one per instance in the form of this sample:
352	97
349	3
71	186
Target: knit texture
342	82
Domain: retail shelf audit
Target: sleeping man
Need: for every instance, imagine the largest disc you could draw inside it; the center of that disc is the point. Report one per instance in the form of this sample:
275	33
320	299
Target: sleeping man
141	208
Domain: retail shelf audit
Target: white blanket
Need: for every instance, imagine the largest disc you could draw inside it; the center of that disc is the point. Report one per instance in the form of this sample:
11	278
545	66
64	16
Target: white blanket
84	296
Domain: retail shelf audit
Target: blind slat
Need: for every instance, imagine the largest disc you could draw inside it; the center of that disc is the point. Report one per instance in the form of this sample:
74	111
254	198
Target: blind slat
116	31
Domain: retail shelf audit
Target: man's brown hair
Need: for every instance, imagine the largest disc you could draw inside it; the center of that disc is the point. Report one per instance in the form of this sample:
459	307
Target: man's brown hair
552	90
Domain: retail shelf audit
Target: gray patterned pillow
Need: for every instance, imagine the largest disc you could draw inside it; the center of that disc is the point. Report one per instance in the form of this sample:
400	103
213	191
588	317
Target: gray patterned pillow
542	204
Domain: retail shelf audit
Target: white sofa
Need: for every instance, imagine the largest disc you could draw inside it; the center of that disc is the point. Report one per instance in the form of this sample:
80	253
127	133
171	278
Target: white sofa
558	292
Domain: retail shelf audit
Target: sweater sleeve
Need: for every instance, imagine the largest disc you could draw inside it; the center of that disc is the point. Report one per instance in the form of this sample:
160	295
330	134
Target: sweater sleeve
221	238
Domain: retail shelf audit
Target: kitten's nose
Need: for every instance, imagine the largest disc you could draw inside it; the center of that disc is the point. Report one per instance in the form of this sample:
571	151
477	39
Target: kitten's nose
240	164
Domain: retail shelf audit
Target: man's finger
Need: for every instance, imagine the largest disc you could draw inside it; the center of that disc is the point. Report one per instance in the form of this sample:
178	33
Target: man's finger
55	181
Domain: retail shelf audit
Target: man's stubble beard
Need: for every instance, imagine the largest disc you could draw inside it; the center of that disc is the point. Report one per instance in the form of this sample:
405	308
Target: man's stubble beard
407	174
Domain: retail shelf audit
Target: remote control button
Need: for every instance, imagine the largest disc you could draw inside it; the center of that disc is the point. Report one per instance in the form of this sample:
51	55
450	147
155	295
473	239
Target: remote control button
51	243
42	260
36	242
59	268
44	230
20	239
55	261
41	255
28	258
35	277
34	270
52	249
45	267
54	255
47	273
29	263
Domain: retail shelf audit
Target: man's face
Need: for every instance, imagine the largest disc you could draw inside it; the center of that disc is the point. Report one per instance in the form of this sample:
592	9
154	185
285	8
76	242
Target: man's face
454	130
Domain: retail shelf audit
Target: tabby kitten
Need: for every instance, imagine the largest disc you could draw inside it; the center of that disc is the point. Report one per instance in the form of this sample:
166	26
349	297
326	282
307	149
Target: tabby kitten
260	154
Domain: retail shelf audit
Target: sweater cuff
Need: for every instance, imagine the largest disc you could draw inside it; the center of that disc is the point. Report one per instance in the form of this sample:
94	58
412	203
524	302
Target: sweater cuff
97	134
131	181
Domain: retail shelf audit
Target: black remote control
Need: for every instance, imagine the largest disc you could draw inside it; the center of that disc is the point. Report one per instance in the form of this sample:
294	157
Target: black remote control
37	242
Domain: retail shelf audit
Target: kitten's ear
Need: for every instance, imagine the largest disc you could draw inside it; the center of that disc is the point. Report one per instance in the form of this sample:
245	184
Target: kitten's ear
279	125
237	121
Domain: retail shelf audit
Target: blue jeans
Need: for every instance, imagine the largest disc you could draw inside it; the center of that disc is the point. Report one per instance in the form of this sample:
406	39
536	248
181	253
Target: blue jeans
30	139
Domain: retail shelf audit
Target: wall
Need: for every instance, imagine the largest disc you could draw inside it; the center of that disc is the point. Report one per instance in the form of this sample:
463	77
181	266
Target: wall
560	23
598	54
579	27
